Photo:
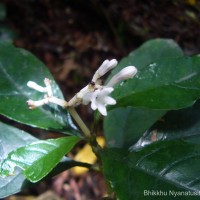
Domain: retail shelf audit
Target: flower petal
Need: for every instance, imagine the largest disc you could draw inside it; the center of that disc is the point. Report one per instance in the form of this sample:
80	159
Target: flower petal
102	108
109	100
87	98
94	100
94	105
106	91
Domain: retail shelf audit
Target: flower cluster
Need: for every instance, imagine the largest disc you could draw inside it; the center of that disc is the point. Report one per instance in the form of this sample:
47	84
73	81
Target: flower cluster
48	97
94	93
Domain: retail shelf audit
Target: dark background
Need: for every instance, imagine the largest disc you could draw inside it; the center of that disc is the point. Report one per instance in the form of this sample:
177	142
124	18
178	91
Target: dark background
73	37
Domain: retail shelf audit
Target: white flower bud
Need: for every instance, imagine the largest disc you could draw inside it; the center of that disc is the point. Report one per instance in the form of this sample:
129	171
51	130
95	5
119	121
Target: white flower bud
37	87
107	66
104	68
124	74
48	98
34	104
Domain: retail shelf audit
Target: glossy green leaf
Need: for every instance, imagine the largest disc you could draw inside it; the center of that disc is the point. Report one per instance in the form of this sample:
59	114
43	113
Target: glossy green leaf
169	167
38	158
133	122
148	52
17	67
67	163
165	159
177	124
171	83
10	139
124	126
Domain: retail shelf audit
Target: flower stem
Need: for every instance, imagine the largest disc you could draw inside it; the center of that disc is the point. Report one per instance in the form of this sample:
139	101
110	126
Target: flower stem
79	122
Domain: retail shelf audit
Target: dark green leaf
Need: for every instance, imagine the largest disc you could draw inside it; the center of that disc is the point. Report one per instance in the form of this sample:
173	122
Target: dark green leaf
67	163
177	124
169	163
169	167
151	50
17	67
10	139
171	83
124	126
38	158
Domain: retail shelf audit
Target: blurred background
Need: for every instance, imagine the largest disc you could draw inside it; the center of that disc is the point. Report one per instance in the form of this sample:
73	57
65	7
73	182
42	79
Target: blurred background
73	37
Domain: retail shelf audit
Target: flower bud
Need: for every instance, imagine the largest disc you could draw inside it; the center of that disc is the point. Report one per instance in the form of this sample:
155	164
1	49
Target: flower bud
104	68
34	104
107	66
35	86
124	74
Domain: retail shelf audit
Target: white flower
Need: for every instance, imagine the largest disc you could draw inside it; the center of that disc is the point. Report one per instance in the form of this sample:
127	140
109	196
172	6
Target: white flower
48	97
106	66
39	88
124	74
94	93
99	99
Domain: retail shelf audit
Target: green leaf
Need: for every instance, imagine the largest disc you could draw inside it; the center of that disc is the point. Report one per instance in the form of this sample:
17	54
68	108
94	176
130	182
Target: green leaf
67	163
148	52
124	126
177	124
10	139
169	167
38	158
171	83
17	67
165	159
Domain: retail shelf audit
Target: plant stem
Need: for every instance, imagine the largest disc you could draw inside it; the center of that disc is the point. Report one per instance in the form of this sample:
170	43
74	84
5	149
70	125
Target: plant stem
90	138
80	122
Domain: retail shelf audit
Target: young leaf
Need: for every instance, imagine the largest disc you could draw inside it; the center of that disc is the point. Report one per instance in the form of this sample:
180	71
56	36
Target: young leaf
17	67
171	83
38	158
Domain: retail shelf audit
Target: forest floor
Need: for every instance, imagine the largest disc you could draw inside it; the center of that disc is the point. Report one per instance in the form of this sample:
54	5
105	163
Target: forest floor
74	37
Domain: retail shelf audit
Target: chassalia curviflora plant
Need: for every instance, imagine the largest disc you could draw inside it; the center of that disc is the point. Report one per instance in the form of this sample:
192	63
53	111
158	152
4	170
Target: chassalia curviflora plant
151	122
